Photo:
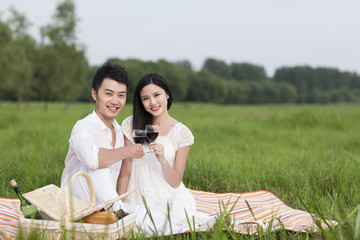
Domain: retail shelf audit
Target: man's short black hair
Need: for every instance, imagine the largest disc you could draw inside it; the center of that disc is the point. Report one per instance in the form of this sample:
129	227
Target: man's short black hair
110	70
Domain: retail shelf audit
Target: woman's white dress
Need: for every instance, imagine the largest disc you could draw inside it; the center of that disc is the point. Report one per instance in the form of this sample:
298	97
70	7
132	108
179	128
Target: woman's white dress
148	180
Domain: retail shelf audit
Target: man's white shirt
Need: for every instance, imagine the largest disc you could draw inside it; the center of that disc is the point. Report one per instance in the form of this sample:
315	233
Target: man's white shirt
87	136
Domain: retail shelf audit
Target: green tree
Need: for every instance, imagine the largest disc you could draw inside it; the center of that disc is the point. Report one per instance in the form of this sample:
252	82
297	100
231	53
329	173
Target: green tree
206	87
71	66
185	64
287	92
85	95
45	78
217	67
176	76
301	77
319	85
247	71
5	45
271	92
17	56
237	92
256	93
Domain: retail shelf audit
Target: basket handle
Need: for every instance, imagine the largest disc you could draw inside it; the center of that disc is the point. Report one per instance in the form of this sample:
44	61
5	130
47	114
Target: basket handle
68	193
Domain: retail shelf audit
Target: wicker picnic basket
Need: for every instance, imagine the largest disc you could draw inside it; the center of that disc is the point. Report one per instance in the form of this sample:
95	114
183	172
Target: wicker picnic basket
59	209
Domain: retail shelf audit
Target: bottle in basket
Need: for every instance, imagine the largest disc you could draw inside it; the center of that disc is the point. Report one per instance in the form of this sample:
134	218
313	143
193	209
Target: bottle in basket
29	210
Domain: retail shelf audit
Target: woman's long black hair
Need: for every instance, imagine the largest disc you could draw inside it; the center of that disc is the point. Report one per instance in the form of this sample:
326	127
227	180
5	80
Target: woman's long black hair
141	117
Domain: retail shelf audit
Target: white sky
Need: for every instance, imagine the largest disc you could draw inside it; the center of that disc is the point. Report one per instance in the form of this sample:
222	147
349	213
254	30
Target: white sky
269	33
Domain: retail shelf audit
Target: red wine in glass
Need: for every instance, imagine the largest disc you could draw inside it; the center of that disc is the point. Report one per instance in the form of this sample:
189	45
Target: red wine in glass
152	136
152	132
140	140
139	136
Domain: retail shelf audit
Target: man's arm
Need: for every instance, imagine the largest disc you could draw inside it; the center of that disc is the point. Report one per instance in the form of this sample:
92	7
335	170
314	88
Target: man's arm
124	176
83	141
108	157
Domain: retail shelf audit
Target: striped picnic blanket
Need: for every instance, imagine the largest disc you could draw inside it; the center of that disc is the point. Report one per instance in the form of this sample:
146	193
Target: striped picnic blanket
9	217
249	211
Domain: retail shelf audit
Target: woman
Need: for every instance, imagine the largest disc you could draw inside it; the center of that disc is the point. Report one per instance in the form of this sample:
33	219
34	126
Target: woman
157	176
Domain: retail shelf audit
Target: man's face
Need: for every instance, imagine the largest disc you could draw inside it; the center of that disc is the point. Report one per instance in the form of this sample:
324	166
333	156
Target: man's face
110	99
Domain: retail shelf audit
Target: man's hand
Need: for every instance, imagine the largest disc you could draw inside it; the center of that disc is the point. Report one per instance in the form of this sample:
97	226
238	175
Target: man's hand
108	157
135	151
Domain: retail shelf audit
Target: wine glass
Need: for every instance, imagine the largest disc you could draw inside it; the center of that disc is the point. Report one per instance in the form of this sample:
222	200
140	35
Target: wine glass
152	132
139	136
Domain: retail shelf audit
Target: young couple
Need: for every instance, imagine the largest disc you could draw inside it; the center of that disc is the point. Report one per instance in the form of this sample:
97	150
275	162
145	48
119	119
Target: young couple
106	151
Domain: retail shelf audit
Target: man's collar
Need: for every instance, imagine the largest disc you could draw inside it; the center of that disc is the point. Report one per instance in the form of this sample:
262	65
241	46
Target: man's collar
102	124
116	125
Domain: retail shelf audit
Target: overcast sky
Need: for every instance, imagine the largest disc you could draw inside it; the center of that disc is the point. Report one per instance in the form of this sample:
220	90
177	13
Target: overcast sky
269	33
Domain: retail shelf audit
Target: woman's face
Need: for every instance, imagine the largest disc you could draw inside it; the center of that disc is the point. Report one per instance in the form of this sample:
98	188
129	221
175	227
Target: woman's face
154	99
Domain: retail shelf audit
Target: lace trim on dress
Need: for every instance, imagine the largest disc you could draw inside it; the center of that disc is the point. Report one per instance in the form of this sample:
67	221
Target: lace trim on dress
180	136
127	126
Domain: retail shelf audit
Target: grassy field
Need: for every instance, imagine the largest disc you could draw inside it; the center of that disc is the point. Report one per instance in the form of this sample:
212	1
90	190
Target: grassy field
306	155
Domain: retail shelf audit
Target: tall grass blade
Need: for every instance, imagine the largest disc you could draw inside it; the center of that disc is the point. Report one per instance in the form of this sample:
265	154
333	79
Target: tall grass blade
168	216
192	230
357	224
318	219
247	203
352	213
150	216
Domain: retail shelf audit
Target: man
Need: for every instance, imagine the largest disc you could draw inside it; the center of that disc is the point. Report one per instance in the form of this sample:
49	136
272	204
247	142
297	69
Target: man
96	146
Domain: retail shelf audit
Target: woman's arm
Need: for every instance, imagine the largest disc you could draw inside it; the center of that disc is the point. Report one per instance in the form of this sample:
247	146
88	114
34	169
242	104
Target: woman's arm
124	175
173	175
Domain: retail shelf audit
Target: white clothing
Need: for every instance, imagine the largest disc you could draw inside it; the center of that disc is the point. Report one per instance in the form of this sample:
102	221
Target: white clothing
144	222
148	179
87	136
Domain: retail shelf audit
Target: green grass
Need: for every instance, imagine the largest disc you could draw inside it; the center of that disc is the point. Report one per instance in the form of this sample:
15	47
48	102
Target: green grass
308	155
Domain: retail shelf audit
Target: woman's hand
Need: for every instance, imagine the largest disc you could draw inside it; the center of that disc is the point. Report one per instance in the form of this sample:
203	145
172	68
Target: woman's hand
158	151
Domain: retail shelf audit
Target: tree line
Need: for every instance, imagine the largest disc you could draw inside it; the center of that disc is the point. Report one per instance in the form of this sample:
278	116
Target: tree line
56	69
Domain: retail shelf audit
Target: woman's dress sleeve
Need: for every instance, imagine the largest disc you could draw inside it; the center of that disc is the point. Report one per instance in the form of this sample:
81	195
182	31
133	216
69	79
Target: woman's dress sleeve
127	126
184	137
